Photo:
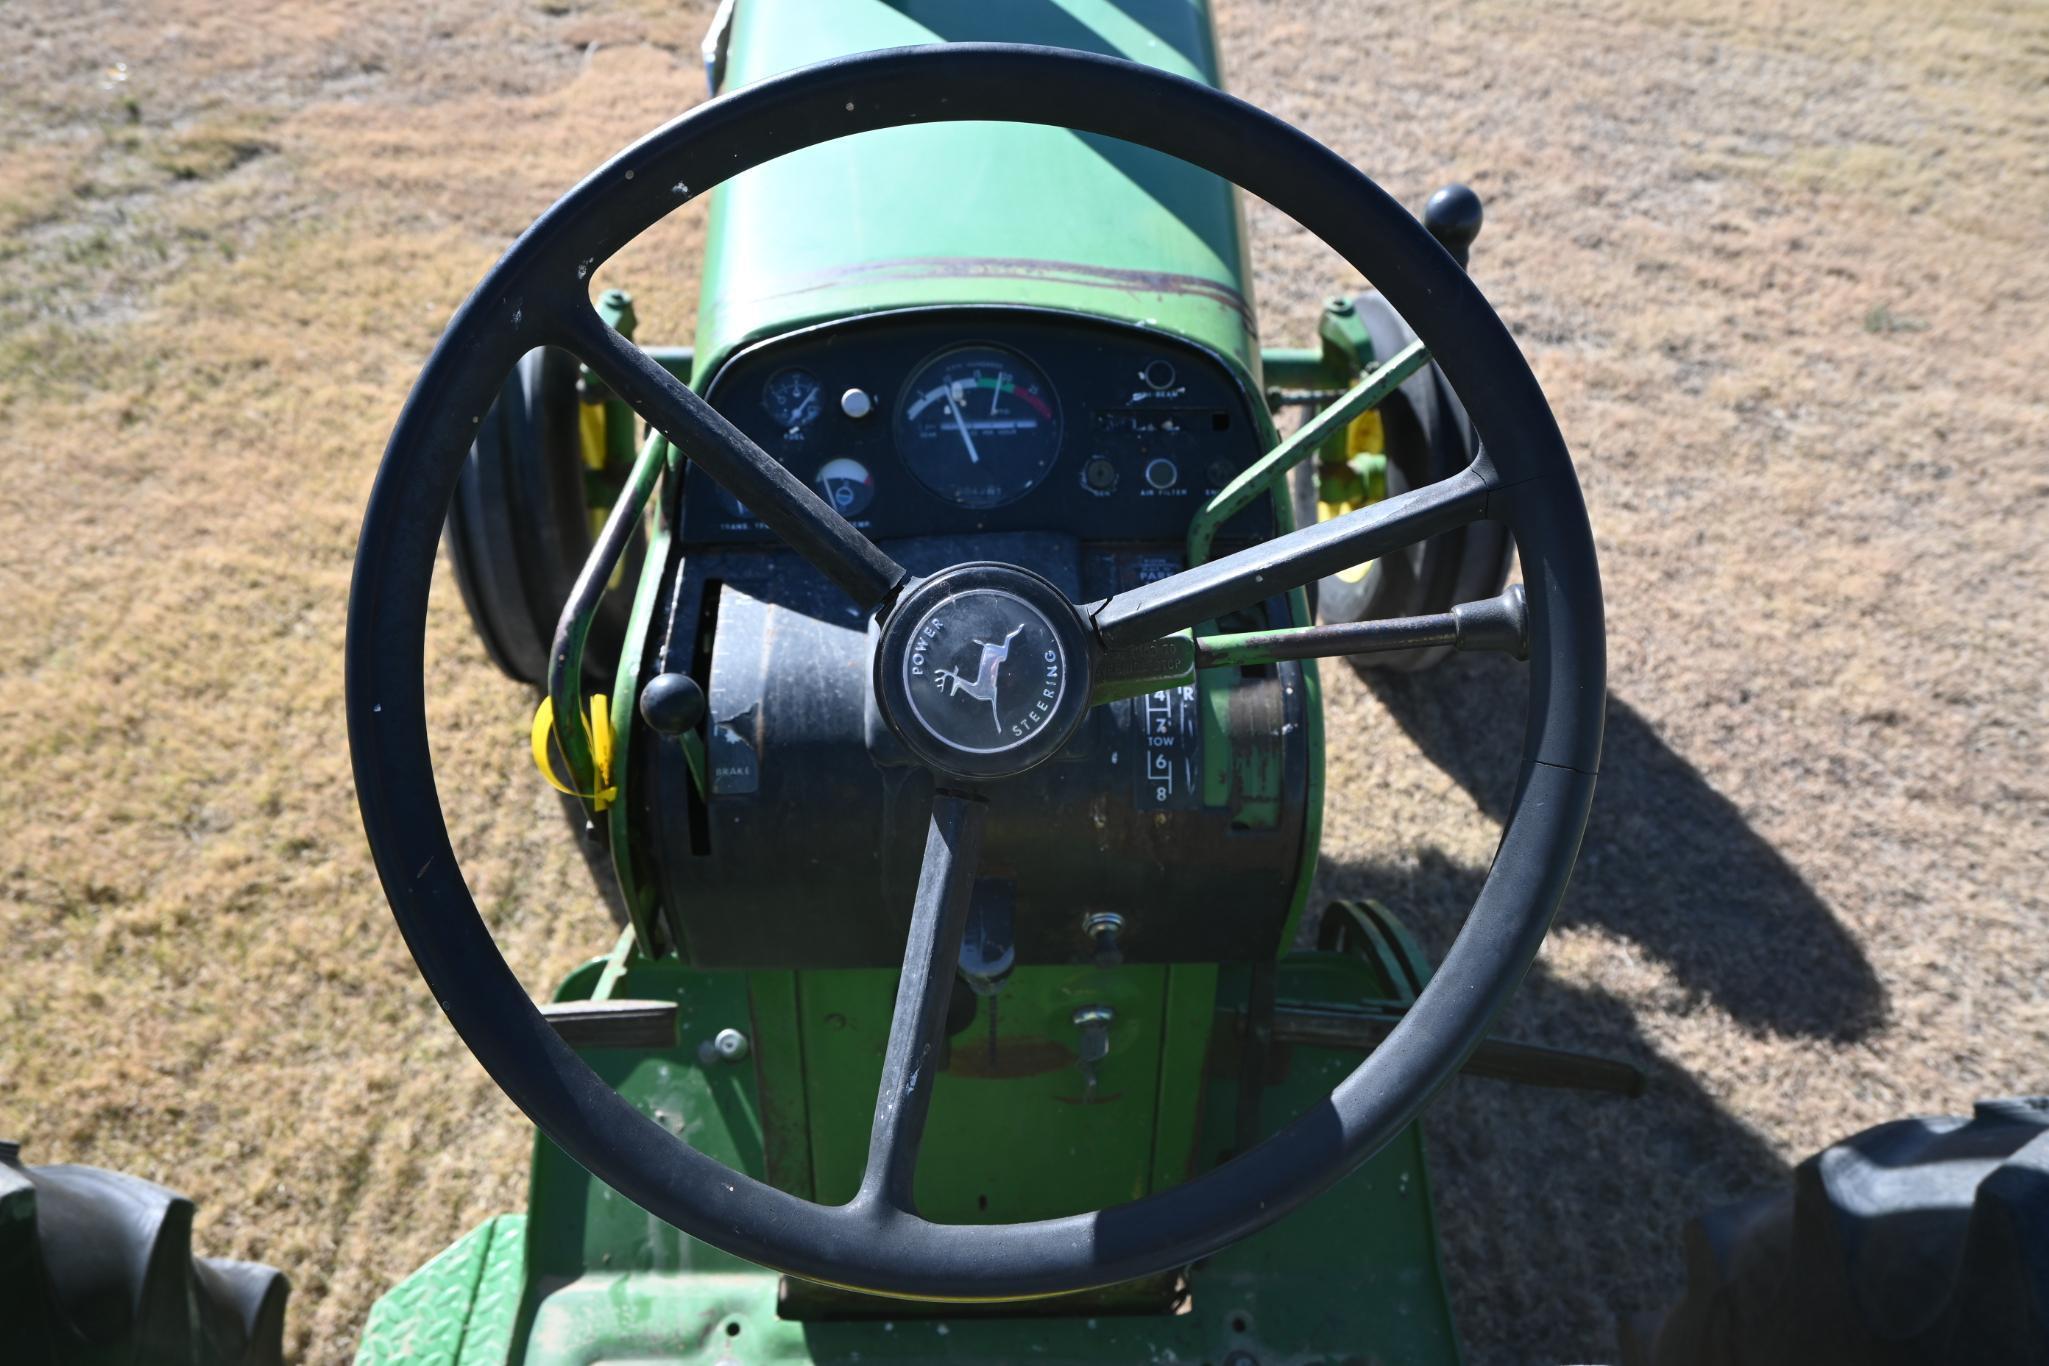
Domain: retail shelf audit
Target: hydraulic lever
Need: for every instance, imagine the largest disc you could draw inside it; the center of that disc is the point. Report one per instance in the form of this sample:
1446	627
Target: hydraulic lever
1363	1028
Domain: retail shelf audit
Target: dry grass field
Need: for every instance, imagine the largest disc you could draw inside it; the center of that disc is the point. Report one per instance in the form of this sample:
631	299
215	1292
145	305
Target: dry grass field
1783	270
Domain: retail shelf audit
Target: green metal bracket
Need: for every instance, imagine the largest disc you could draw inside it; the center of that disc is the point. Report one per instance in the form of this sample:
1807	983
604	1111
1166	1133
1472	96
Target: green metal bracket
1345	341
638	894
1265	474
1297	375
1285	368
615	306
565	675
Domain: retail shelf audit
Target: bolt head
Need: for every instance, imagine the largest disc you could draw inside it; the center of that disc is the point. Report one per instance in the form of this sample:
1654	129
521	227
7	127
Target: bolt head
730	1045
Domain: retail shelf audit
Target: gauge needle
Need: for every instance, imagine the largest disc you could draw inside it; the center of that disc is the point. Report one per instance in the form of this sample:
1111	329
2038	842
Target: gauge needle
974	456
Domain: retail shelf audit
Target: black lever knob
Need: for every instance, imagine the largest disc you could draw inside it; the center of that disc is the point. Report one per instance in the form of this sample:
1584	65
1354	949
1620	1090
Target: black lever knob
1499	623
672	703
1453	218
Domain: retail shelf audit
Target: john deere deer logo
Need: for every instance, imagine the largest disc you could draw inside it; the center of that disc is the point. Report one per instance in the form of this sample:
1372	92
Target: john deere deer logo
982	686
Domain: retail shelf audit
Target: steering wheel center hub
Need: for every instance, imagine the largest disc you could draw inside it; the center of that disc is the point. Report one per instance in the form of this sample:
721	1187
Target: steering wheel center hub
982	671
1008	692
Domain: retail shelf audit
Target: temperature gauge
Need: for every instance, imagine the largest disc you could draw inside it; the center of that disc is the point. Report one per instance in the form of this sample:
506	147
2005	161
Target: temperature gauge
847	485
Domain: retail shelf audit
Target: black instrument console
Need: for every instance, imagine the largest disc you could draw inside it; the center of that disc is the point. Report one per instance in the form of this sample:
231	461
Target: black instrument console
944	422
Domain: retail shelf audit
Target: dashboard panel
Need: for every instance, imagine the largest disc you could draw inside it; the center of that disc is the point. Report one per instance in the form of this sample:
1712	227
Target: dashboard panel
940	422
1073	448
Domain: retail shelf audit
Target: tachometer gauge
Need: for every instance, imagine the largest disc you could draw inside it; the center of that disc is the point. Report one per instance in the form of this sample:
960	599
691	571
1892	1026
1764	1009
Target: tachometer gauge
793	398
979	426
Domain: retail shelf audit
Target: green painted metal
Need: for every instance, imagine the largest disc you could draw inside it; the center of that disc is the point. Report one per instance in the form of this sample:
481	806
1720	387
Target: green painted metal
1360	479
1248	777
461	1309
1241	648
970	214
1267	474
956	215
577	1224
779	1072
572	731
1186	1021
1009	1118
1296	367
638	894
612	968
587	1276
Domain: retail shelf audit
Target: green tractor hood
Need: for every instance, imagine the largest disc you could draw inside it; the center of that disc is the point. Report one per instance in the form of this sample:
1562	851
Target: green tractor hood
1006	214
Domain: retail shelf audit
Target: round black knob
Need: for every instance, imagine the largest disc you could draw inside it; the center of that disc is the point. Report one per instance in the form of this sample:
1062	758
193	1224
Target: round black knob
672	703
1453	218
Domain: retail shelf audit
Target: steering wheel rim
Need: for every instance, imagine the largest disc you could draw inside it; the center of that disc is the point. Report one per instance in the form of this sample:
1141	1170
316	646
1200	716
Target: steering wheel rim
538	293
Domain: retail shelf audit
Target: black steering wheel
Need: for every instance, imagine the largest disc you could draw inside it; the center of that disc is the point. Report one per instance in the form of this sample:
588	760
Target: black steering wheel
538	295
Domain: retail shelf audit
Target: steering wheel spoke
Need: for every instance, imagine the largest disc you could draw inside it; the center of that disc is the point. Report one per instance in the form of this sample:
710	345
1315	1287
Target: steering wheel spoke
1207	591
939	917
785	504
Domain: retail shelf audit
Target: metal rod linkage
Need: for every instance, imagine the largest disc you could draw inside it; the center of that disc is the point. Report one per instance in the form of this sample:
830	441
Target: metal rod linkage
1499	623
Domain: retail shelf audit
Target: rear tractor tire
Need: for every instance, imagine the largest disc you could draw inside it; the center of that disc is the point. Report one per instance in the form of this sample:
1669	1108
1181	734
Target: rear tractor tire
1923	1242
97	1267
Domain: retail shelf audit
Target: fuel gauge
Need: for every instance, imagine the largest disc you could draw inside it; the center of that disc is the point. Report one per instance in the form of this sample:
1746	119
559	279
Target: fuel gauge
793	398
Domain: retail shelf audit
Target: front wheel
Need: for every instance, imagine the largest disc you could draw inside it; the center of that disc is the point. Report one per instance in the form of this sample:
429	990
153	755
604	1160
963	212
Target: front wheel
523	521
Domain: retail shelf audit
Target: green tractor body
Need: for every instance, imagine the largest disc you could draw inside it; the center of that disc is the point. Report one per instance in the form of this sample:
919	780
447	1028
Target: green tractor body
1118	1038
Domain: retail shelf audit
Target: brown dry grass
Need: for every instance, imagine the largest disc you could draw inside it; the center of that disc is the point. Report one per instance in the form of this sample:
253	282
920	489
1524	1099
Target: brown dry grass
1780	269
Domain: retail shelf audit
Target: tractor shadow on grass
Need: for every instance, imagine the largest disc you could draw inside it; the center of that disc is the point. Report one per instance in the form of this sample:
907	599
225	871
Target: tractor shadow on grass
1558	1210
1668	862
